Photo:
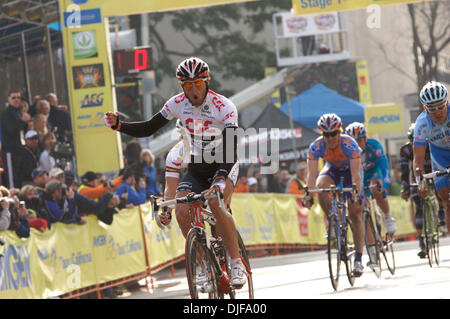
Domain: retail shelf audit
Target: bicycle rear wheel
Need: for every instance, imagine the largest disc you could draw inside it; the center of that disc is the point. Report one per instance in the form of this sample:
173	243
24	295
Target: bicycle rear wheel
196	254
334	250
349	252
373	249
245	260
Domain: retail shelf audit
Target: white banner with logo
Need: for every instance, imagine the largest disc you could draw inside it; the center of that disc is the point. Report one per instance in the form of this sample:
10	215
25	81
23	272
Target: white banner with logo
295	25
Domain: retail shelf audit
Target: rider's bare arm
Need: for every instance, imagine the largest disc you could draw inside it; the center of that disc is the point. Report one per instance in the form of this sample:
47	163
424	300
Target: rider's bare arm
355	166
419	158
313	166
171	188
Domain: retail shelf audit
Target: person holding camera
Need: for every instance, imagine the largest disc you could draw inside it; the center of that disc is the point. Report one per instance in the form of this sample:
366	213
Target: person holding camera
65	205
46	160
93	188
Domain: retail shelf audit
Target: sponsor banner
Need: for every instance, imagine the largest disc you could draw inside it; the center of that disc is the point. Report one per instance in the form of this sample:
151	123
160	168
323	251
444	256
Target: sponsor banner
384	118
298	26
162	245
69	257
302	7
118	249
362	76
89	82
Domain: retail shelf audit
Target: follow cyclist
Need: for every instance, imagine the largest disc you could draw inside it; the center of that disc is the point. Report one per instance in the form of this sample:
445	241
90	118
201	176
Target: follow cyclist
342	157
211	120
376	171
433	127
407	177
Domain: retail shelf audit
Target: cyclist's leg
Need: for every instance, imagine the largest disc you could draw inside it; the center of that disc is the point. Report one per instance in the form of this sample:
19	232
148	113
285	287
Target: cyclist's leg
419	223
225	225
188	185
326	178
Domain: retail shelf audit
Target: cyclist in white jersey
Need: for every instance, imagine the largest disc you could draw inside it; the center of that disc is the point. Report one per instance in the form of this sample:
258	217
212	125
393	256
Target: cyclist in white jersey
177	159
433	126
211	120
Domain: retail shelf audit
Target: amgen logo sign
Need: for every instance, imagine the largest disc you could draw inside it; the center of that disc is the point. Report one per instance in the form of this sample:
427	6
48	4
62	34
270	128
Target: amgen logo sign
385	119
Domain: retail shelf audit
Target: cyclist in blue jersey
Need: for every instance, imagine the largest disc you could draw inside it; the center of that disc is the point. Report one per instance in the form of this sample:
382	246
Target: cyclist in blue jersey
342	158
433	126
376	170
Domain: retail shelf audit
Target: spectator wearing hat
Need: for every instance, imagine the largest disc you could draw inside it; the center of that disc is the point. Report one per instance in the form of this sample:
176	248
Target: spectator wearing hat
40	178
252	185
57	173
136	193
30	157
93	189
13	122
30	198
298	183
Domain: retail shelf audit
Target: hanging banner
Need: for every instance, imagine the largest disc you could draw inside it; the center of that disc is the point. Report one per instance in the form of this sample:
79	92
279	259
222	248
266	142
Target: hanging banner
302	7
362	77
89	82
312	24
384	118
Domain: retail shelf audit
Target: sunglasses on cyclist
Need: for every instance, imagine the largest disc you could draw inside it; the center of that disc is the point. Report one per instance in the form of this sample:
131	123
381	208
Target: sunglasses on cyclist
437	108
330	134
189	84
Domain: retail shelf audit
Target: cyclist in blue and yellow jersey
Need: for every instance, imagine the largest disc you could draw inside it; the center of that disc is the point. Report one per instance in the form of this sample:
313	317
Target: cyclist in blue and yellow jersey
342	157
433	126
376	170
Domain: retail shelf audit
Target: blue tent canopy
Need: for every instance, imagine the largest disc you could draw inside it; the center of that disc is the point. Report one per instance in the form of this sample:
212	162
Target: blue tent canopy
308	106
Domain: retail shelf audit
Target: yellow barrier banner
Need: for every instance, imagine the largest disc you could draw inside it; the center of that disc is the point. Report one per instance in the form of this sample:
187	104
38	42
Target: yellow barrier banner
317	6
286	219
118	249
162	245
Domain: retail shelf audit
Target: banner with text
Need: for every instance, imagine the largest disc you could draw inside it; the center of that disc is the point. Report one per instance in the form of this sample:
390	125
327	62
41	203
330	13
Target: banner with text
302	7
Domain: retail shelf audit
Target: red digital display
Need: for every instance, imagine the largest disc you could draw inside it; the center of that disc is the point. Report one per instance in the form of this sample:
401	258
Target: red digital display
132	60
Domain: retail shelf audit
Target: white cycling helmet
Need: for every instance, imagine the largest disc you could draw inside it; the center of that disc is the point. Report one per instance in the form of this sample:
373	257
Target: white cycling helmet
192	68
433	93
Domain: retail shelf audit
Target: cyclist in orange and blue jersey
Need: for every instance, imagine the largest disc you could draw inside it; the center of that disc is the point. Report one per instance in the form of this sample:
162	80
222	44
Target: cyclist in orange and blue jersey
342	157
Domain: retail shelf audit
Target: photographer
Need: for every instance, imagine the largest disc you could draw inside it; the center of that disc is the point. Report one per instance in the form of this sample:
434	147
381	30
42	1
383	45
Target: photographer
93	188
65	205
13	215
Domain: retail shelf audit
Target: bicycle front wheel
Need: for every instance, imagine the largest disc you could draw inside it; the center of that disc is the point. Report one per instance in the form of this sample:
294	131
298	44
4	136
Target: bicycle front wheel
371	240
428	231
200	273
434	221
248	287
349	251
388	252
334	250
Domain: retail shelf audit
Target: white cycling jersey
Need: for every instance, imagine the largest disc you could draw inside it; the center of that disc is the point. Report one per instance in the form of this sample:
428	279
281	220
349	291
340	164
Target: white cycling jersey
204	123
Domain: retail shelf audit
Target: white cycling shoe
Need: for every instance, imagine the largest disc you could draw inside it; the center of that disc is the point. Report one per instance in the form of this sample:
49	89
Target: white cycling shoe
390	224
238	275
203	283
358	269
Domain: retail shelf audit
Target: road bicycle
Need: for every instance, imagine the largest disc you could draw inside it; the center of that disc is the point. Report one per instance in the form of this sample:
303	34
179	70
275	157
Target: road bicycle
340	247
206	253
431	230
376	243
